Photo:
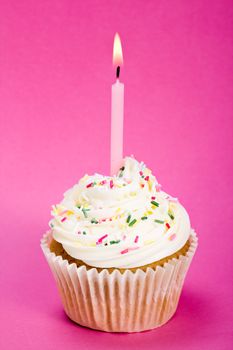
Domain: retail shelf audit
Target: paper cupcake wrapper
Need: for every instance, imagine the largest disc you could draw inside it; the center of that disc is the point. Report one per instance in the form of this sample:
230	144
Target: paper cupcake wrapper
115	302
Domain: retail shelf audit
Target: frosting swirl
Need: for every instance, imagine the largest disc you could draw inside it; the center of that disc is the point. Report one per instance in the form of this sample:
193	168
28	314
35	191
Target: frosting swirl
123	221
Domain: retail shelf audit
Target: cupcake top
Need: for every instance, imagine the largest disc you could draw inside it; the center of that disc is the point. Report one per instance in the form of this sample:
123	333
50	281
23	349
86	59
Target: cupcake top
123	221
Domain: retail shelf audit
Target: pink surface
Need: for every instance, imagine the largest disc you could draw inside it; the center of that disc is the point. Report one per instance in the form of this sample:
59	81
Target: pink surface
55	78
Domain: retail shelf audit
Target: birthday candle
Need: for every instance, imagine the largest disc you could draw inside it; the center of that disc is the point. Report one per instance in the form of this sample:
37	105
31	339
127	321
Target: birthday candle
117	110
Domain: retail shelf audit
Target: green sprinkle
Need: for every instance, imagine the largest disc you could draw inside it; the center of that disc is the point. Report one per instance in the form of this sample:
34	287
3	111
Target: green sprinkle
156	204
85	212
122	168
115	242
144	218
128	219
132	222
159	221
94	221
84	233
171	216
78	206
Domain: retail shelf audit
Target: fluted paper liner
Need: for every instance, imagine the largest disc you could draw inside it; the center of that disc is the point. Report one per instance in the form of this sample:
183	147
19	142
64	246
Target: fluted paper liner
115	302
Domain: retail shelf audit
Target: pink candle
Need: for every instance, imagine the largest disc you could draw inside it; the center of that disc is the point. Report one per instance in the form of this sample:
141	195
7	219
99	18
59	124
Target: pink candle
117	112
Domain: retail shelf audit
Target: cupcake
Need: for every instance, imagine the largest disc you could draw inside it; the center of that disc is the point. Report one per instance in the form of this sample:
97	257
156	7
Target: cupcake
119	248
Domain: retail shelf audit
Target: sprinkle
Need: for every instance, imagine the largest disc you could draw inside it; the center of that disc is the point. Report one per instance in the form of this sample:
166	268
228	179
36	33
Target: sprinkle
136	239
115	242
124	237
171	216
149	242
144	218
121	171
128	250
159	221
63	212
103	182
63	219
84	210
84	233
79	232
132	222
94	221
153	198
128	219
172	237
124	251
142	185
172	199
158	187
111	183
100	240
156	204
168	226
141	173
149	212
147	178
90	185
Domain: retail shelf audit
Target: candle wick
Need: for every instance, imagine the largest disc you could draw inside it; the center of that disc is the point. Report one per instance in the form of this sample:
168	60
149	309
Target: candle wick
118	71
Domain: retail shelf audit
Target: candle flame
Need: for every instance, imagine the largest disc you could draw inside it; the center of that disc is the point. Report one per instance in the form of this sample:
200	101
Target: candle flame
117	51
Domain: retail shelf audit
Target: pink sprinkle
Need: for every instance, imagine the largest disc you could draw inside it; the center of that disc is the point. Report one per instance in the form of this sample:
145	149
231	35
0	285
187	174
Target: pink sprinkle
103	182
153	198
63	219
141	173
79	232
146	178
128	250
173	236
103	220
100	240
110	219
136	239
111	184
158	187
89	185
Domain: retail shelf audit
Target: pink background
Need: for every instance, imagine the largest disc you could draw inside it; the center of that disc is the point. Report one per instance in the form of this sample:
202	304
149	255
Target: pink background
55	77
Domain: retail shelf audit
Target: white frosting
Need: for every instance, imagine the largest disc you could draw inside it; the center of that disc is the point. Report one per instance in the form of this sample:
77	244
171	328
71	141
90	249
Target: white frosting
101	220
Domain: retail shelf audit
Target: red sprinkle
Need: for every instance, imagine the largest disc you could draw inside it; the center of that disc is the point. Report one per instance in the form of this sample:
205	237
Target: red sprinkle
142	185
103	182
153	198
141	173
63	219
101	239
89	185
147	178
111	184
168	226
136	239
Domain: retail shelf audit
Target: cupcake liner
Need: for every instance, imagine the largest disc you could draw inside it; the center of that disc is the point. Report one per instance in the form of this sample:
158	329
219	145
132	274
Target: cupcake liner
115	302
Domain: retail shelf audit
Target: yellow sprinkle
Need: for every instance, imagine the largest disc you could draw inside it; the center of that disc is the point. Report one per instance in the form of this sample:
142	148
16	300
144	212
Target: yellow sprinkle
69	212
133	194
149	242
149	212
118	210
